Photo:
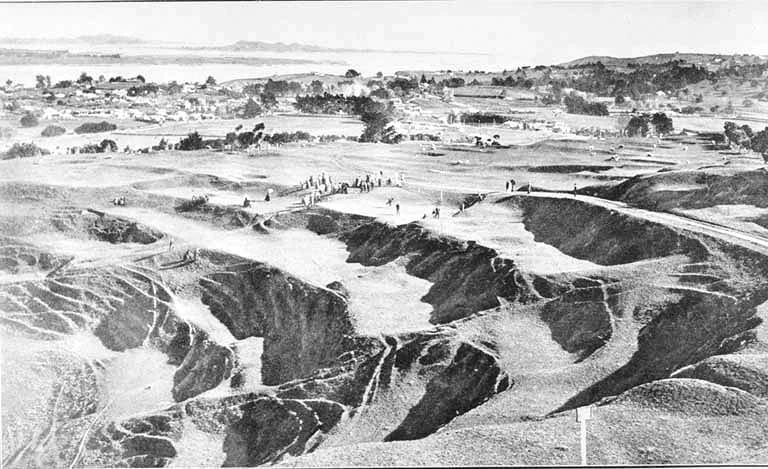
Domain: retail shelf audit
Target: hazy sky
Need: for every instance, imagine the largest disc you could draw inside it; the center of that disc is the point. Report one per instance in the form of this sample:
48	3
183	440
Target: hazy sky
525	31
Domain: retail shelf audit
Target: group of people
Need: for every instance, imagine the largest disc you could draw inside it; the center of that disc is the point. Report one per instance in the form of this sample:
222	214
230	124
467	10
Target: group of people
369	182
510	186
119	201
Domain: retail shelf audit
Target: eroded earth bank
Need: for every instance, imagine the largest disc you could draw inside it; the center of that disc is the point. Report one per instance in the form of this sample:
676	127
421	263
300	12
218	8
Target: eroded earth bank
322	337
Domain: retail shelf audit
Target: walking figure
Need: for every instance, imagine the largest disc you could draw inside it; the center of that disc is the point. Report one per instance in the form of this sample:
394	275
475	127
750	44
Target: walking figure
170	244
574	190
397	208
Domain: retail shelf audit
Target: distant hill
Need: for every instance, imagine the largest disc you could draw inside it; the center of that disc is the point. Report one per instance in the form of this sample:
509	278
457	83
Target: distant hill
692	58
109	39
277	47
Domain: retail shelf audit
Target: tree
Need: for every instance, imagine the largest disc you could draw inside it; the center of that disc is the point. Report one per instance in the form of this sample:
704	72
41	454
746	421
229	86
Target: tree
53	131
24	150
63	84
661	123
739	136
619	100
140	78
760	143
377	118
379	74
210	81
95	127
192	141
85	79
317	87
108	145
40	81
423	79
637	126
252	109
268	100
351	73
29	120
575	104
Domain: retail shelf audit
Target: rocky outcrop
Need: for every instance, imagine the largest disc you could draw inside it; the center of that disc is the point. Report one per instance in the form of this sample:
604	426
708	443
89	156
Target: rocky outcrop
305	327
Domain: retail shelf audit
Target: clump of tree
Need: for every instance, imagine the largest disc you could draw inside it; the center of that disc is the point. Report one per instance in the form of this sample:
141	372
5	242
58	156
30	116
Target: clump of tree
640	125
53	131
351	73
402	85
143	90
24	150
63	84
453	82
95	127
744	137
575	104
287	137
247	138
513	81
282	87
42	81
332	104
29	120
104	146
482	118
739	136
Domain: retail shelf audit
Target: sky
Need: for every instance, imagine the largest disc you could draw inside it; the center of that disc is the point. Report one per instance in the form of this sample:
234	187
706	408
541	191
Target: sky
532	32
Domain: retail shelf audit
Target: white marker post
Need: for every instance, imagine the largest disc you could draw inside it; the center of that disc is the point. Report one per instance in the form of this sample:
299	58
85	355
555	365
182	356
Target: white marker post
582	415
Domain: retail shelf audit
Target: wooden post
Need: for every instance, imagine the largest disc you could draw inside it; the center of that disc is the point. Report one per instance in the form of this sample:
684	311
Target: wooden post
582	415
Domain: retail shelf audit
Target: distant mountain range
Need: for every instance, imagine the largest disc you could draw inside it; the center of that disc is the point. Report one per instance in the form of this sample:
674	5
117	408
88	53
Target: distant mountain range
239	46
95	39
691	58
